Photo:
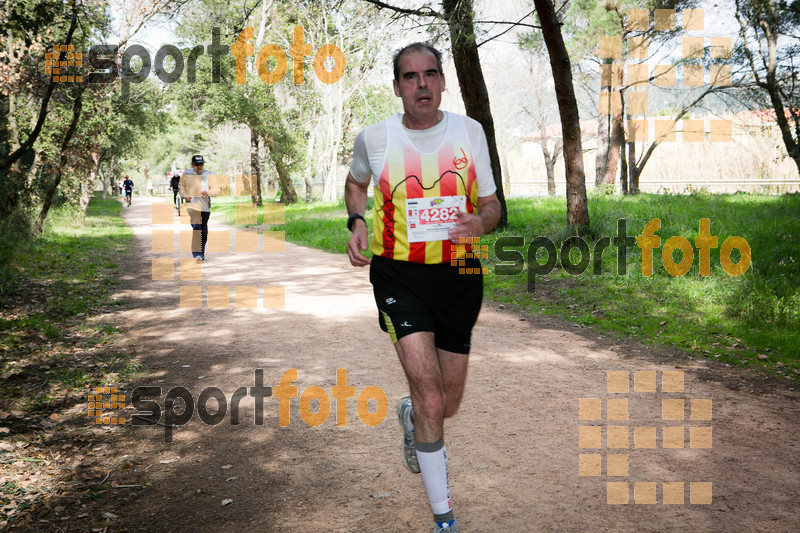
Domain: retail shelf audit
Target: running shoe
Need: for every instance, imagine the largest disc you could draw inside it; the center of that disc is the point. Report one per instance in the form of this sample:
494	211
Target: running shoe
409	444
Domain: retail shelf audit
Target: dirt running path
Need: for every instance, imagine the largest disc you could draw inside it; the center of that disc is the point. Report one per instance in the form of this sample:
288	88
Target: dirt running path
513	446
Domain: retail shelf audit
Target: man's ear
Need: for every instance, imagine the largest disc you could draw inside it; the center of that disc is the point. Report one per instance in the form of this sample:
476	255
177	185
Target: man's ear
396	88
443	82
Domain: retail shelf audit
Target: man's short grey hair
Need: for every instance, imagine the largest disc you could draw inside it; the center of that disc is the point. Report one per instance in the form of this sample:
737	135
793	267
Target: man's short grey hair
415	47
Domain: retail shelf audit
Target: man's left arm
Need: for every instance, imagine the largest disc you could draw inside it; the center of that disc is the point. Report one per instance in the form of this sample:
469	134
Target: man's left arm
468	225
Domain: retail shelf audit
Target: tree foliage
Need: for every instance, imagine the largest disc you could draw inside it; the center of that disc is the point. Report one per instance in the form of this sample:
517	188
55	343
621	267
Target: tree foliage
770	43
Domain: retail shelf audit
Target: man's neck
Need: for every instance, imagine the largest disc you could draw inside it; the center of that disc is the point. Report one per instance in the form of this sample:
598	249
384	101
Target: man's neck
412	124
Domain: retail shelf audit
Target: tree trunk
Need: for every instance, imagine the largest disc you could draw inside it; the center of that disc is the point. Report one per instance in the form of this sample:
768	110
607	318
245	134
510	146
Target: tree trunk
603	142
87	186
288	194
577	208
272	181
34	169
615	145
549	160
623	168
506	175
550	165
255	168
459	15
104	180
6	162
633	173
603	134
609	128
334	144
308	178
51	191
146	178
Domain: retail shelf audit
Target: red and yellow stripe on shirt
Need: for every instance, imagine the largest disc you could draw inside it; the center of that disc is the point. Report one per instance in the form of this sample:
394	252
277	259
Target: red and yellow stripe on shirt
408	173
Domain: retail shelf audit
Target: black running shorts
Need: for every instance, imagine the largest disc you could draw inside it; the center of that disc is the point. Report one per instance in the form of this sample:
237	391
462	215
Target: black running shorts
414	297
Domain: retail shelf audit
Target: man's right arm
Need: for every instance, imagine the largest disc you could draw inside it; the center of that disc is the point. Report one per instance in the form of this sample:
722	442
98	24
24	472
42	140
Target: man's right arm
355	198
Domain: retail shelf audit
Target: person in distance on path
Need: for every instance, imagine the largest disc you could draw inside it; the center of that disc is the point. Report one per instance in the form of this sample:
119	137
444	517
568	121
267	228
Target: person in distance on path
433	188
198	218
128	185
175	185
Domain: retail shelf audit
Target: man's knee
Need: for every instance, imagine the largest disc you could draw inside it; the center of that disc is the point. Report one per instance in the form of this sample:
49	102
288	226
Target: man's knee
452	401
430	405
451	408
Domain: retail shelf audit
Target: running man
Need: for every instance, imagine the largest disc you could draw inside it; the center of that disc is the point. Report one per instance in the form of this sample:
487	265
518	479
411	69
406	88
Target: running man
425	305
128	186
198	219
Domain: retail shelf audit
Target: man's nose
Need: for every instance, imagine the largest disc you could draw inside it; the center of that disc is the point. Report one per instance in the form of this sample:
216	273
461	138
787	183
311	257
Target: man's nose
423	80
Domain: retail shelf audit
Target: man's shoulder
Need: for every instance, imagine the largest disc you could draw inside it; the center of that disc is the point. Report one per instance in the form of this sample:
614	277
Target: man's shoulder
374	136
469	122
380	126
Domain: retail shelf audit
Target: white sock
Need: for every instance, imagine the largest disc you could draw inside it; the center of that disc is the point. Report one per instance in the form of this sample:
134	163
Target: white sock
432	459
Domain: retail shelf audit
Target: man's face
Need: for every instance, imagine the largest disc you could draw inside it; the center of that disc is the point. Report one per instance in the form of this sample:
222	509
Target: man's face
420	85
198	167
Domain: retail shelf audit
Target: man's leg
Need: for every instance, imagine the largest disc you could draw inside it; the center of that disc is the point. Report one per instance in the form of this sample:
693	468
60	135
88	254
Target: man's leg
204	216
436	379
196	240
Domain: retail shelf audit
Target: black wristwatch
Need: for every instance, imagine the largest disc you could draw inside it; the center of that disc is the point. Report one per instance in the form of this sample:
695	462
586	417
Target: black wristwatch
352	218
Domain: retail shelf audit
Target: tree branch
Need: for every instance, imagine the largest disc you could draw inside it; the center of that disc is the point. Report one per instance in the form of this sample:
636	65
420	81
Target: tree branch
512	25
424	12
639	165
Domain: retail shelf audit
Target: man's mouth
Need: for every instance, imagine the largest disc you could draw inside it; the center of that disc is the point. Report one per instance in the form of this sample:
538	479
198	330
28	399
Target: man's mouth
424	99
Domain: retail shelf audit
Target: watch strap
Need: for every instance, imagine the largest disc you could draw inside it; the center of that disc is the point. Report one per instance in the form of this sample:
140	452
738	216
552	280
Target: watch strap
352	218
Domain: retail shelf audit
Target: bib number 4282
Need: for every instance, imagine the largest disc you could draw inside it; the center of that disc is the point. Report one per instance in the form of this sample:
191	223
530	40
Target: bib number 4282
438	215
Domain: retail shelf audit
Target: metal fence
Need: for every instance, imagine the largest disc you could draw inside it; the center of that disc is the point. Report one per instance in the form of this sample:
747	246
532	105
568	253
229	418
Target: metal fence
714	186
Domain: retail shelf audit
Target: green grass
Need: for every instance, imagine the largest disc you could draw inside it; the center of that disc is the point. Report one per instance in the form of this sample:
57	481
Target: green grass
58	284
734	319
317	225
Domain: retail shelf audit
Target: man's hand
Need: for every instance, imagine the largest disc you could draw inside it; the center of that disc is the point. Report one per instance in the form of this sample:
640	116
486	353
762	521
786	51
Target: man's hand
466	226
358	242
355	197
474	226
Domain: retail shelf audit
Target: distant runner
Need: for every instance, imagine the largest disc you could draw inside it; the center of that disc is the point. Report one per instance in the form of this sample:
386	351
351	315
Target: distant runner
128	187
198	219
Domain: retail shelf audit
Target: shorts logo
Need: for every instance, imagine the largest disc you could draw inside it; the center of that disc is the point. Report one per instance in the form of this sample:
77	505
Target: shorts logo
390	301
406	324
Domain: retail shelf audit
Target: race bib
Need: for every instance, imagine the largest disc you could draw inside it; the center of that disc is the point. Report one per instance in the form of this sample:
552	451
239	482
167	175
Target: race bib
429	219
